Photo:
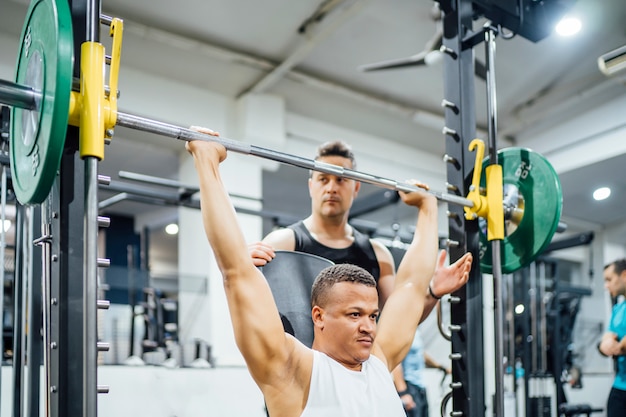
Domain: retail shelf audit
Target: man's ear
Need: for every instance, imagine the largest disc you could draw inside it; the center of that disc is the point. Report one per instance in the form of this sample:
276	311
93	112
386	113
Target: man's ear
357	187
317	313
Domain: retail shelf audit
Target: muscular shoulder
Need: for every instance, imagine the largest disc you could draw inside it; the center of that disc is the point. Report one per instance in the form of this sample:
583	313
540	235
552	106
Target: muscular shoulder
281	239
383	255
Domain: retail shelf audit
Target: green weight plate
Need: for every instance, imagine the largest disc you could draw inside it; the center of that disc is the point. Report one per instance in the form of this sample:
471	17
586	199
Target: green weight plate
44	63
532	192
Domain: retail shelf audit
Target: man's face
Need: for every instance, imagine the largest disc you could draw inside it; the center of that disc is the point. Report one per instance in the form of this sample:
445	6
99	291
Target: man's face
616	284
348	323
332	196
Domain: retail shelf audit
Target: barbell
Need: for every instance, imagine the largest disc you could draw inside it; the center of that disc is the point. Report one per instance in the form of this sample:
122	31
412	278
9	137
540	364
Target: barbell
43	104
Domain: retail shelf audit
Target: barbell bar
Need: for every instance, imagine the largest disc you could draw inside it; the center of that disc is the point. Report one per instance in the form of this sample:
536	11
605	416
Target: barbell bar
181	133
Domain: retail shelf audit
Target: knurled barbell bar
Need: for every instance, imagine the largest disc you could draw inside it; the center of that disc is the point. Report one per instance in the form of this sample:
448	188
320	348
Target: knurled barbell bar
42	96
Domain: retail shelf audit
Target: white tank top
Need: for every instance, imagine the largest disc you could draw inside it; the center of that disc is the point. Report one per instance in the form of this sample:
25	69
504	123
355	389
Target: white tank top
340	392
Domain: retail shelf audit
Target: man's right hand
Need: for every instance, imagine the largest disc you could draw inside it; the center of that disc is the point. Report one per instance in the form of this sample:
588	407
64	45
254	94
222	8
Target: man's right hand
261	253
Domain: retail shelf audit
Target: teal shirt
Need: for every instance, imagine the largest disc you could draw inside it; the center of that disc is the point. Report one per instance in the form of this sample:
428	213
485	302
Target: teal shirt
617	325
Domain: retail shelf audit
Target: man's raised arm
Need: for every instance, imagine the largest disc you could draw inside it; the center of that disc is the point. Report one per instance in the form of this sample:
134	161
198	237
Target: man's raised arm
256	322
404	307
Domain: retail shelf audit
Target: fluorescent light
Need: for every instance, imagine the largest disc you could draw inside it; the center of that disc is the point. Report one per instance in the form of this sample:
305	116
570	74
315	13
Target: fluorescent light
171	229
601	193
568	26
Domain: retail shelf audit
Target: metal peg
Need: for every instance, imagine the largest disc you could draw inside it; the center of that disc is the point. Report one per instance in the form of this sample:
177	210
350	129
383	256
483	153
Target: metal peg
454	300
456	385
450	132
103	389
449	159
454	328
456	356
448	51
452	243
103	347
449	105
104	304
104	180
104	221
104	263
451	187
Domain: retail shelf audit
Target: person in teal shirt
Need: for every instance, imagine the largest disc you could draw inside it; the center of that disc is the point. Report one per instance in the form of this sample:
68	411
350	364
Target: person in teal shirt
614	340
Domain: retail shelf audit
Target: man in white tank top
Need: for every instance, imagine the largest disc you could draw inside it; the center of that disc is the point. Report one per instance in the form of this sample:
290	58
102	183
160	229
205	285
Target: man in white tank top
346	373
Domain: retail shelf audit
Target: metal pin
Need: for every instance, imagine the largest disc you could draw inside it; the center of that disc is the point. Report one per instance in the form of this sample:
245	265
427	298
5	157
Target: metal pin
454	328
449	159
103	346
456	385
455	356
452	187
450	132
456	413
104	180
104	304
104	221
104	263
450	105
452	215
452	243
454	300
448	51
103	389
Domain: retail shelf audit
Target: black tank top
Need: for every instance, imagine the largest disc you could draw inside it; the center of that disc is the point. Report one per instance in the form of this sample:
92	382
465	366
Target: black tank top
360	253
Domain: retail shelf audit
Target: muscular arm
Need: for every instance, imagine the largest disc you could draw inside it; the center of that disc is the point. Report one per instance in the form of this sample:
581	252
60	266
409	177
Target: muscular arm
404	307
387	271
257	326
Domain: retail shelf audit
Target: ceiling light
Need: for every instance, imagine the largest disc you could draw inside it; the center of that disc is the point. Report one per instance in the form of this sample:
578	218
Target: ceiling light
568	26
519	309
601	193
7	225
171	229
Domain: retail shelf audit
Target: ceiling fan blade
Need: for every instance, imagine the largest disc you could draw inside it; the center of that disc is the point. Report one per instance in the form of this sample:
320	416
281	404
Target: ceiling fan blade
433	44
411	61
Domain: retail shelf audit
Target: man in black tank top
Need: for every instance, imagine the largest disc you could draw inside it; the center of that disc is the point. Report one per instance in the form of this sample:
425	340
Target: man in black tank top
327	233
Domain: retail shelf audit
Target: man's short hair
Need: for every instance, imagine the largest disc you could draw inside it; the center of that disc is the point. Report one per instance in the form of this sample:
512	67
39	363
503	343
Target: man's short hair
619	266
336	148
333	274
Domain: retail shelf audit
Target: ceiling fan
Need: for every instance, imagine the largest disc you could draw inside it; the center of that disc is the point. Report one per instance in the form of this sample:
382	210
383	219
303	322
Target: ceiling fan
428	56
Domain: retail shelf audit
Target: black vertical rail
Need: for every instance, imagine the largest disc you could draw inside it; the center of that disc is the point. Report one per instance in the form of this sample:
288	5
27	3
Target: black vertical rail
468	393
34	345
65	205
19	317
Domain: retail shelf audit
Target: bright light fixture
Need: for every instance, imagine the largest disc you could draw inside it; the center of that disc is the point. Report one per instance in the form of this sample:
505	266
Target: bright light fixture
519	309
171	229
601	193
568	26
7	225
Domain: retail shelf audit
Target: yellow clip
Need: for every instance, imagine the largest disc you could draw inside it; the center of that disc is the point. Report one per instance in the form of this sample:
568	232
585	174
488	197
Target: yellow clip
480	201
91	125
116	32
489	207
